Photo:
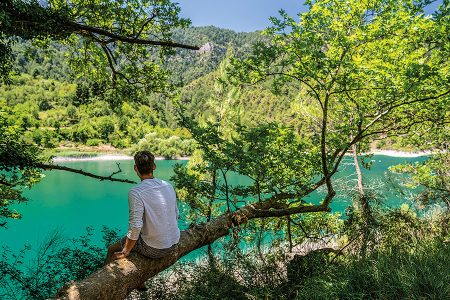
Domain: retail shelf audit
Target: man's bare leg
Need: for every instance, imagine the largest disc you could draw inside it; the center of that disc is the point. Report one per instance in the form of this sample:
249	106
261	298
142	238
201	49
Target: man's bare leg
116	247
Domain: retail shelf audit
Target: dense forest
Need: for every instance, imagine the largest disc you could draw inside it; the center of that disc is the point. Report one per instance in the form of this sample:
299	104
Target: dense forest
283	107
57	109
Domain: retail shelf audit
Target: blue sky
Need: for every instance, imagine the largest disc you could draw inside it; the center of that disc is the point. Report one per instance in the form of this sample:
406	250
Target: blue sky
240	15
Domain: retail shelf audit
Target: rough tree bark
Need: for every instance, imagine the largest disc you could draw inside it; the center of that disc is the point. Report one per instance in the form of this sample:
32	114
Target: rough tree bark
117	279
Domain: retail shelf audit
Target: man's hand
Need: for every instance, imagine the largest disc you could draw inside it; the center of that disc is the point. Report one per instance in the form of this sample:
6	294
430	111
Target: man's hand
121	254
129	244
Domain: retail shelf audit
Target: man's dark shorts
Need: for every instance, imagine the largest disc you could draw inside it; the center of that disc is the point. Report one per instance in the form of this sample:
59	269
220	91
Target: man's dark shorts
142	248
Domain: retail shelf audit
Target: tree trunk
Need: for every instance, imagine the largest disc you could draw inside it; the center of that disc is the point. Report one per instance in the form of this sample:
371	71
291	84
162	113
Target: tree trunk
117	279
362	204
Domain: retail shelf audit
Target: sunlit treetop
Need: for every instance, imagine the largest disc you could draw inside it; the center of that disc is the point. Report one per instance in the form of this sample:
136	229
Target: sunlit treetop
113	43
369	67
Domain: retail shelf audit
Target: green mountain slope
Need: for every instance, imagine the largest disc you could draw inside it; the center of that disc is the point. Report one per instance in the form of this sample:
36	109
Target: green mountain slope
55	109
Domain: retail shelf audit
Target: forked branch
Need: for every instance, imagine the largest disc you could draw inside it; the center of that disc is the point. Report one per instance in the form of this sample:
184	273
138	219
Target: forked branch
84	173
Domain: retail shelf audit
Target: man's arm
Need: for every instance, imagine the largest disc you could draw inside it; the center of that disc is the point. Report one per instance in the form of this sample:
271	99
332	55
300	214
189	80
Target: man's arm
135	223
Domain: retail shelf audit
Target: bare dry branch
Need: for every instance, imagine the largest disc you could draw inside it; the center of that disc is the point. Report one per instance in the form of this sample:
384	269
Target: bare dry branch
81	172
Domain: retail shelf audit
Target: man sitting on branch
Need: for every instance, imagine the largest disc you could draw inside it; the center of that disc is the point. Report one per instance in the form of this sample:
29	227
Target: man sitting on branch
153	215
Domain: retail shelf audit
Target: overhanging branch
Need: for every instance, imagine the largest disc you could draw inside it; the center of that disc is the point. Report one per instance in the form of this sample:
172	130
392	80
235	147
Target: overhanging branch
84	173
81	28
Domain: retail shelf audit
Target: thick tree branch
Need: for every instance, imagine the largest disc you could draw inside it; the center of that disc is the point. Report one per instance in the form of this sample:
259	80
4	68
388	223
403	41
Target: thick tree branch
81	28
261	213
119	278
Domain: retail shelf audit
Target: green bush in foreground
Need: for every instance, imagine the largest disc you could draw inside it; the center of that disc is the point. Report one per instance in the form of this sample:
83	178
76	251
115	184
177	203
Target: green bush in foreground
385	274
390	274
56	261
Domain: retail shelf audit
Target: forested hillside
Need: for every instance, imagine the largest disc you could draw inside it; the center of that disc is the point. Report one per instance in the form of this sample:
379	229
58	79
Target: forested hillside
185	65
56	108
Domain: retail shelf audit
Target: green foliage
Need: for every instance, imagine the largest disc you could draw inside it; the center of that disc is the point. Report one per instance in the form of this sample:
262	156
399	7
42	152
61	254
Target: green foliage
71	111
411	262
166	143
82	99
41	63
83	131
93	142
105	127
239	276
45	137
25	88
107	40
420	274
367	67
402	228
432	174
56	262
215	42
17	163
272	156
92	119
6	59
214	284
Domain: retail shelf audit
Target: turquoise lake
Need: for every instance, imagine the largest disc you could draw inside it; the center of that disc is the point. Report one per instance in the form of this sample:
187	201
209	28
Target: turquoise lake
69	202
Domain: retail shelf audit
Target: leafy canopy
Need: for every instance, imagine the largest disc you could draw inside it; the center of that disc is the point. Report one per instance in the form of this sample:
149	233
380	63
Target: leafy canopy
369	68
110	42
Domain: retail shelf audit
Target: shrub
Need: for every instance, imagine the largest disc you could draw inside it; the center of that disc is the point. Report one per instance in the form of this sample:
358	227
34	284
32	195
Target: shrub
386	274
105	127
93	142
71	111
167	146
45	105
118	140
44	137
83	131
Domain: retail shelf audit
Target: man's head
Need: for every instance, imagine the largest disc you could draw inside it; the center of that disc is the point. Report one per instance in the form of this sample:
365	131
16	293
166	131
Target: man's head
144	163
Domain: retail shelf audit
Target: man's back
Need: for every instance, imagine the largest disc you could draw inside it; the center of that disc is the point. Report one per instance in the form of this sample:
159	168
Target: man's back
153	207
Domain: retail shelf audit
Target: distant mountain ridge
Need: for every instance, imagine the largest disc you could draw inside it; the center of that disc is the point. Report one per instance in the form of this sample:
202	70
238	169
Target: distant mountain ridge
185	65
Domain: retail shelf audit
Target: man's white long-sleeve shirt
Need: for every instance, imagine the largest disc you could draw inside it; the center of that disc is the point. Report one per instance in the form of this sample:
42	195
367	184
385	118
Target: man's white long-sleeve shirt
153	213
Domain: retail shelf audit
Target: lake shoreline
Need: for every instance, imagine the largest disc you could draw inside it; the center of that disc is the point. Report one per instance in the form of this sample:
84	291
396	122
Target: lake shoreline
396	153
114	157
105	157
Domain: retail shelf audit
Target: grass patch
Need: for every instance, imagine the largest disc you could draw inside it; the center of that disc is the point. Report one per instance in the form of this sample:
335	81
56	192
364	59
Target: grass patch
422	273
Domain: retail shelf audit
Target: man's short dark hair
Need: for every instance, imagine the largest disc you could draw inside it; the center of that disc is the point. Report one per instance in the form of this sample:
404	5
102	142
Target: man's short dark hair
144	162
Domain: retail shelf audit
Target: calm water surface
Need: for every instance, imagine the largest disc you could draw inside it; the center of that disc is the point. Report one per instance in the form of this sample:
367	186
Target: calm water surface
69	202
